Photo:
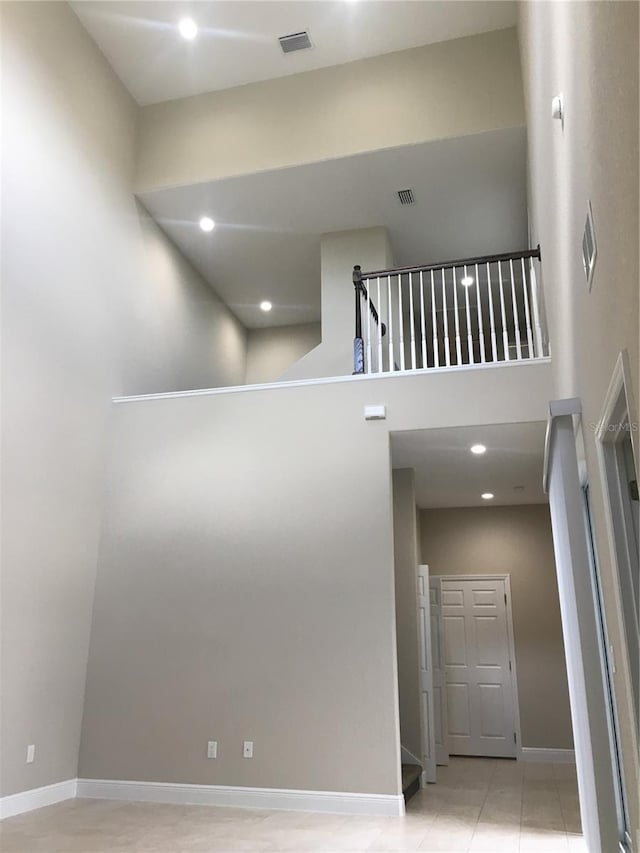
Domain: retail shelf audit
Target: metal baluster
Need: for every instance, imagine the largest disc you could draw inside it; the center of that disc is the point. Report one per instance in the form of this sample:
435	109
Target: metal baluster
536	310
379	303
470	352
411	320
492	323
480	322
505	335
434	323
445	316
527	313
456	318
423	337
390	326
401	322
516	320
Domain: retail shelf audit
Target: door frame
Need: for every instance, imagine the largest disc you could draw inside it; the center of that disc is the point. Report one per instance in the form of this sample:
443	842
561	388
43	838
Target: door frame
436	580
580	628
427	722
618	408
607	658
510	639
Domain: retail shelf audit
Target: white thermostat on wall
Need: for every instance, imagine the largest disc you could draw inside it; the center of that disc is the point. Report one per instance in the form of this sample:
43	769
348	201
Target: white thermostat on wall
375	413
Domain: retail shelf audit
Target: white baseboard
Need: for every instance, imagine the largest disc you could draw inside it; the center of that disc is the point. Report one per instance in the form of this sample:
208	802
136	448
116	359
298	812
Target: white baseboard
552	756
36	798
255	798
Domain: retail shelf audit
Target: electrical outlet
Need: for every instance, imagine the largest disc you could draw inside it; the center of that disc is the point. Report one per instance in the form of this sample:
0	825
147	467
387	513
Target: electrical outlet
212	749
31	753
247	749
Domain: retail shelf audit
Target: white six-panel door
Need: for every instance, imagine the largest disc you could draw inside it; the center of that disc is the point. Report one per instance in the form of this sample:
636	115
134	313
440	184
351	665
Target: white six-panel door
480	699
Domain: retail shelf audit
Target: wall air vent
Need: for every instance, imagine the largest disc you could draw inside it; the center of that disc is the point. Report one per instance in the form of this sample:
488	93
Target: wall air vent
295	41
589	247
406	197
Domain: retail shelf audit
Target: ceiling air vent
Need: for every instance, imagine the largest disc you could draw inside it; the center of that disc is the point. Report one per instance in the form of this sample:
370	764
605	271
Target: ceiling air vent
406	197
296	41
589	248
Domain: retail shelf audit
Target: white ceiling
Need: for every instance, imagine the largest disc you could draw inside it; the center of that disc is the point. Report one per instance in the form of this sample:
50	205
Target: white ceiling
470	200
447	474
237	40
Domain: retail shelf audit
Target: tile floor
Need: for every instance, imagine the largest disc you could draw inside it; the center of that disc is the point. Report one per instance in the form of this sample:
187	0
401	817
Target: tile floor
479	804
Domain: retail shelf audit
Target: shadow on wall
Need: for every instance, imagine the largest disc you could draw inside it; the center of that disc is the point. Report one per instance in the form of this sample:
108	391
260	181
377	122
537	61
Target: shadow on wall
273	350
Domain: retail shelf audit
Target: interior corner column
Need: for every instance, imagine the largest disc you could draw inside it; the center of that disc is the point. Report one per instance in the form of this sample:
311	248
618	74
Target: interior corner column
340	251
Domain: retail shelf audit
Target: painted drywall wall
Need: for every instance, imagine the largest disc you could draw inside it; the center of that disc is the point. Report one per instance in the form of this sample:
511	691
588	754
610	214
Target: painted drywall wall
589	53
239	594
515	540
439	91
96	302
405	550
340	251
272	350
182	335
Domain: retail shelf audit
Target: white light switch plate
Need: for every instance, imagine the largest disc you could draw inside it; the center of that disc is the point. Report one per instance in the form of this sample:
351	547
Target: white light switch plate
247	749
31	753
212	749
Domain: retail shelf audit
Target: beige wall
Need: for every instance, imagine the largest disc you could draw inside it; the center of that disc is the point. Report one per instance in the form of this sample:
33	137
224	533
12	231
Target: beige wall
443	90
514	540
271	351
340	251
181	335
235	570
589	52
405	549
96	302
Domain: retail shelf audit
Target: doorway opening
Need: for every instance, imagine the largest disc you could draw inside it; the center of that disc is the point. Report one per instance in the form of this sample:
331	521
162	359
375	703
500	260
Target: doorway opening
616	436
483	693
481	660
468	687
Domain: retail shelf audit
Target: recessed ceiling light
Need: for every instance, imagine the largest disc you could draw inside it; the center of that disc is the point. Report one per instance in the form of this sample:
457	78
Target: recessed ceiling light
467	281
266	305
188	28
478	449
207	224
487	496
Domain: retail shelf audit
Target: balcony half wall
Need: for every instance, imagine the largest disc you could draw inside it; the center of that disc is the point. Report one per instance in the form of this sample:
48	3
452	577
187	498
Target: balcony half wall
245	578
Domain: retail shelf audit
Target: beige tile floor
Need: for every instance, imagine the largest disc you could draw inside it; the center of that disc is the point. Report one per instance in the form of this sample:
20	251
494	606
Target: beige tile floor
478	805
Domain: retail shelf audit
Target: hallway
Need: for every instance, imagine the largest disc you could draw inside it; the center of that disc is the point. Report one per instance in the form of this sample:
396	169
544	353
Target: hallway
497	806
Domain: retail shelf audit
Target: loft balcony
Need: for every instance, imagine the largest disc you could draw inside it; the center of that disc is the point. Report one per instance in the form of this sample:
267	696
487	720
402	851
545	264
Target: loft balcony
474	311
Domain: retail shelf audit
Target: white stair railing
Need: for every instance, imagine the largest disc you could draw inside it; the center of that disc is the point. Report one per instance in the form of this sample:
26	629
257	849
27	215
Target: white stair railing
473	311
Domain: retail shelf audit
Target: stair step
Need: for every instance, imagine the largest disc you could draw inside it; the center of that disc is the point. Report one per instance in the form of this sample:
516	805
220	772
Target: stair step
410	780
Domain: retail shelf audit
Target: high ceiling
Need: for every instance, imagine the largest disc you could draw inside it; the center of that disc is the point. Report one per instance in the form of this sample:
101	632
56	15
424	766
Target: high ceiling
447	474
470	200
237	41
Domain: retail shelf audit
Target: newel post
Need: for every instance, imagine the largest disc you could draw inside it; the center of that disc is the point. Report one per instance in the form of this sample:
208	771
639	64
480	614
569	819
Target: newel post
358	343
